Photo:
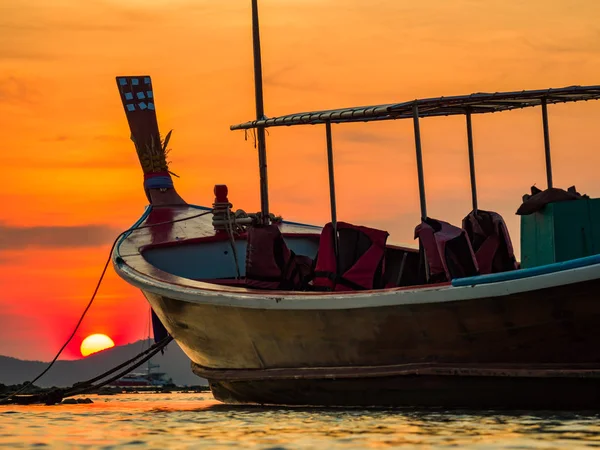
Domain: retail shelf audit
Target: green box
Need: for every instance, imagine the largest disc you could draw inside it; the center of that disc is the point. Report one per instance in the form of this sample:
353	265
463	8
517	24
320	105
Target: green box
560	232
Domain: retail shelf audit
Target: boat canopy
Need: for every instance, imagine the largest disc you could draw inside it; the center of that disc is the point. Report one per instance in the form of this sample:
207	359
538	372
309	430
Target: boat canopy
465	105
477	103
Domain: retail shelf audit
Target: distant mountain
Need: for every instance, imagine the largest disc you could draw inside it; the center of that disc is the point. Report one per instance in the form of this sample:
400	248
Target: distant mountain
174	363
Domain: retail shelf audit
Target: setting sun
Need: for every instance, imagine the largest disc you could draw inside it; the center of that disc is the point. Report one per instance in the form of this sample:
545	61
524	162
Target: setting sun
95	343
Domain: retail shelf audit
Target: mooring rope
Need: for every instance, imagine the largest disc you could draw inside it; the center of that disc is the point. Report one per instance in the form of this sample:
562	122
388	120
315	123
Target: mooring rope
152	350
87	386
8	397
57	395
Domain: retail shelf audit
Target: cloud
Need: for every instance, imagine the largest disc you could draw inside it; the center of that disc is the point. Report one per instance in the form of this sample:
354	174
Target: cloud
587	42
98	138
58	138
286	77
14	90
366	137
23	55
70	18
111	138
55	236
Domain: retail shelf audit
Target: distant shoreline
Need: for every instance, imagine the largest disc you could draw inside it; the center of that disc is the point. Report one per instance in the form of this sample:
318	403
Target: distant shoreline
106	390
173	368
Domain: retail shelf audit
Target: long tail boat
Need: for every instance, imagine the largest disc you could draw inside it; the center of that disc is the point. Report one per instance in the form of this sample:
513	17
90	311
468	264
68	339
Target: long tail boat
276	312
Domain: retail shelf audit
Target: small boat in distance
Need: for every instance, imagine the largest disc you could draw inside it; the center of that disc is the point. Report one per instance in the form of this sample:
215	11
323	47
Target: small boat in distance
145	378
277	312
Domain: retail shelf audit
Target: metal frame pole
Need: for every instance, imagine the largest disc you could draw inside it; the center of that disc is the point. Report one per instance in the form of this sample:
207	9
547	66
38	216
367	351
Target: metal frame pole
260	131
332	187
547	142
419	162
471	160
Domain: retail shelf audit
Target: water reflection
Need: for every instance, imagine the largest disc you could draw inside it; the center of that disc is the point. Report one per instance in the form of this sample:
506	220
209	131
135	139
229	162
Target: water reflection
176	421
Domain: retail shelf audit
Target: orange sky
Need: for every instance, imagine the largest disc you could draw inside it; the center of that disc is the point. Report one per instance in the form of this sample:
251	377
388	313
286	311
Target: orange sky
68	161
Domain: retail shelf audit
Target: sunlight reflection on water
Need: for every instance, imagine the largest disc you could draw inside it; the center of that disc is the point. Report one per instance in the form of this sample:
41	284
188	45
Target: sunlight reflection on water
182	421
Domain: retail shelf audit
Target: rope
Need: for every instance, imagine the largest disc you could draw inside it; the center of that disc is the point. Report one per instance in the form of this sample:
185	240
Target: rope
77	389
57	395
86	384
232	242
29	383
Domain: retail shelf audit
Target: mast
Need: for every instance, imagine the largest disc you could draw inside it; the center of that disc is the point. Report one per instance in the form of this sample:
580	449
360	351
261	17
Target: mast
471	159
547	142
415	111
336	244
260	131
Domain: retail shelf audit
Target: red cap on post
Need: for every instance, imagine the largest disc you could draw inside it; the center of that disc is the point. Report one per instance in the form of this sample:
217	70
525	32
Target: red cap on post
221	193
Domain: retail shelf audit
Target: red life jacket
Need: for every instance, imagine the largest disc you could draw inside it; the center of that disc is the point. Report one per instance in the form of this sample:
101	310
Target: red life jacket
447	251
361	258
270	264
490	240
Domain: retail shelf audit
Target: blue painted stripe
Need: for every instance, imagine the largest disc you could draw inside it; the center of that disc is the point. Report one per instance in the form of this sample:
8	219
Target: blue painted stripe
203	208
527	273
158	182
147	213
287	222
135	225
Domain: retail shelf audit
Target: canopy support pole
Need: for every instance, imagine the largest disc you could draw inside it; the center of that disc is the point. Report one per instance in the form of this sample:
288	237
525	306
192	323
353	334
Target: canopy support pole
547	142
332	188
419	162
471	160
260	131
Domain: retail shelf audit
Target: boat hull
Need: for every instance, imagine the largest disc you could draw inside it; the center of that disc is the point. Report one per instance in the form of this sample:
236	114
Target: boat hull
418	390
242	351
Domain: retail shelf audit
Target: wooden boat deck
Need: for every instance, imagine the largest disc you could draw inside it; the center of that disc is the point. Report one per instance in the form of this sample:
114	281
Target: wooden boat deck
138	270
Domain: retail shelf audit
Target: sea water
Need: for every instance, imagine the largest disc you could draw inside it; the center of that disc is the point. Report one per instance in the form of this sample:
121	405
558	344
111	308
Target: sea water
196	420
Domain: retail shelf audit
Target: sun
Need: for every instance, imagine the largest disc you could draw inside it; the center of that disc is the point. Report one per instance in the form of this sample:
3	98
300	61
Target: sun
95	343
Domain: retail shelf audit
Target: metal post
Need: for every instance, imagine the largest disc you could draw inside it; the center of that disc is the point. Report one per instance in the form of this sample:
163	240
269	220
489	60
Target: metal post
471	161
260	131
332	187
547	142
419	162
